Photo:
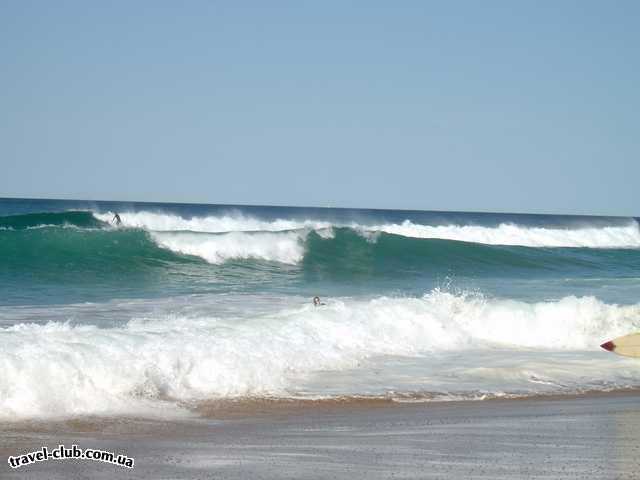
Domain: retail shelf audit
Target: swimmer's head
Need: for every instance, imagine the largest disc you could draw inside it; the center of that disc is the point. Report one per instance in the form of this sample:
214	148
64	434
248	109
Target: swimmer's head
316	301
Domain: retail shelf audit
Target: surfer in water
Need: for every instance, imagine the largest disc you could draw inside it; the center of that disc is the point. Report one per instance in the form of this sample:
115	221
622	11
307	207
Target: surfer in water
317	302
116	219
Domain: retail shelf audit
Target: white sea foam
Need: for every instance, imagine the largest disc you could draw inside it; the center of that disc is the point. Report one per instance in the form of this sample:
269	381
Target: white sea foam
289	246
283	247
627	236
58	369
620	236
166	222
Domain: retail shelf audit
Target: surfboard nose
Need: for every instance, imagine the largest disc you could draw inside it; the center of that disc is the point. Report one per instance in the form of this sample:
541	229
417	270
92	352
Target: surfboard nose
608	346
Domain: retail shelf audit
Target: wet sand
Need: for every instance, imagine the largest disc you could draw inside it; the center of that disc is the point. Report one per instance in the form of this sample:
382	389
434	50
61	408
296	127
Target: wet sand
588	437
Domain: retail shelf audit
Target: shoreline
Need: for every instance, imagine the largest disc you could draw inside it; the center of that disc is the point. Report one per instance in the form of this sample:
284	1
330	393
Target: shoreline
230	409
560	437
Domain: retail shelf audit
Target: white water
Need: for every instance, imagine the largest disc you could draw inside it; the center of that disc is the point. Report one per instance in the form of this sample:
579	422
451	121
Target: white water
165	222
284	247
451	345
627	236
509	234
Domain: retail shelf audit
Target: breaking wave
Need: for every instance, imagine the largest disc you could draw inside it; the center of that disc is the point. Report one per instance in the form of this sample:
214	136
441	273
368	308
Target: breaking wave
614	236
59	369
61	248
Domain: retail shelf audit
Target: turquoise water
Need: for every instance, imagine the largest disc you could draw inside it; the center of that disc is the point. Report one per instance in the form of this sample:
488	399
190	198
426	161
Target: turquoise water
211	301
51	249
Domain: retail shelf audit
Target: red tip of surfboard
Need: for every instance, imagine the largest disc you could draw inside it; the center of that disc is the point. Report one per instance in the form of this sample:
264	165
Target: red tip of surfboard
608	346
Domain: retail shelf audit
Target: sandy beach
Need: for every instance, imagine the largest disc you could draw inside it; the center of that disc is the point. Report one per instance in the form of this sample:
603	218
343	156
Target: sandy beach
592	436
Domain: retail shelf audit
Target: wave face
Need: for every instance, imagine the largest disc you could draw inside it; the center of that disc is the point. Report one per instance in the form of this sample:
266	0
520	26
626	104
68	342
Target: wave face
177	359
94	245
63	249
348	252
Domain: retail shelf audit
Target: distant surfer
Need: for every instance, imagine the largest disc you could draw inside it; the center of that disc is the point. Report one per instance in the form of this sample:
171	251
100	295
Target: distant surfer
317	302
116	219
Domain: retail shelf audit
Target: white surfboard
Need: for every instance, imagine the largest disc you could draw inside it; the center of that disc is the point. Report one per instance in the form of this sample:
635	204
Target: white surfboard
627	345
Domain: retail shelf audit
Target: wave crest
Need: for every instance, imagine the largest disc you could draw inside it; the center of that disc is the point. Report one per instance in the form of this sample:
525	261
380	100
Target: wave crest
627	236
165	222
614	236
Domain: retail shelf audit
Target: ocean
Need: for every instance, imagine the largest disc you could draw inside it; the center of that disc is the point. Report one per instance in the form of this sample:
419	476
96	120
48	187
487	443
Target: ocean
185	304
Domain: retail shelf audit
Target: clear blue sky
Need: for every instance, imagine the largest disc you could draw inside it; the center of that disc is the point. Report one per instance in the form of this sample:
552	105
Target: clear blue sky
528	106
